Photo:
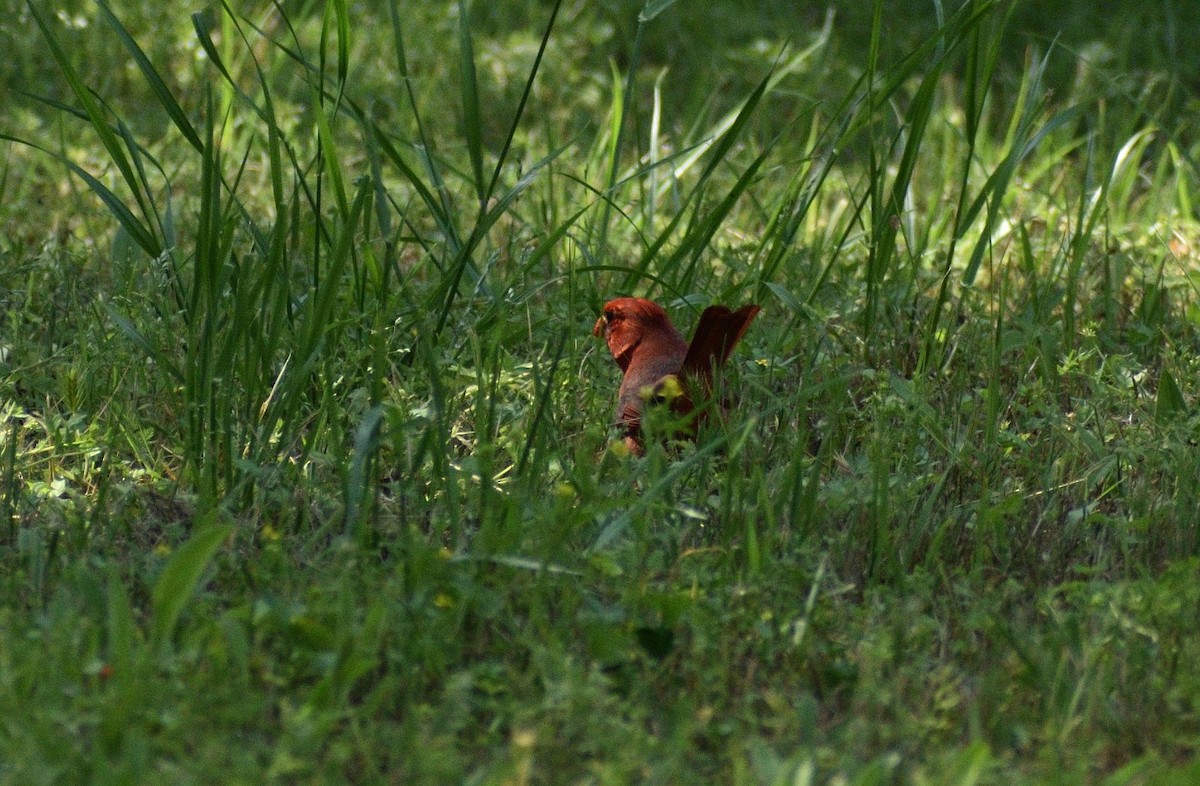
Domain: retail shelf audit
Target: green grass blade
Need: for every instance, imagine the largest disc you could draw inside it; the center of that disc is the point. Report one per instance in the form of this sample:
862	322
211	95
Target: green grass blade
90	106
136	229
179	580
204	37
446	209
468	85
342	19
617	118
533	72
1169	404
702	232
366	438
157	86
718	155
542	403
329	154
653	8
121	629
139	339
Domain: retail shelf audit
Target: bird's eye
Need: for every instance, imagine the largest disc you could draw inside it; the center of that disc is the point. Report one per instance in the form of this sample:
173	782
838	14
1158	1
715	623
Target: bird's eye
610	315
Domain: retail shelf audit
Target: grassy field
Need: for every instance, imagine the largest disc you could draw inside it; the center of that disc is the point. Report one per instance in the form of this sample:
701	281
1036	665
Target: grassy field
306	473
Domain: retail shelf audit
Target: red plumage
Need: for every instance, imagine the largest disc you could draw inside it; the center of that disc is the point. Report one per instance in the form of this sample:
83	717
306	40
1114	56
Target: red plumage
649	350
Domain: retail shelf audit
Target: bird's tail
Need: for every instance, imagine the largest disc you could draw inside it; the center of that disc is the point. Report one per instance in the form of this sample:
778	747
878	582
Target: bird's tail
718	331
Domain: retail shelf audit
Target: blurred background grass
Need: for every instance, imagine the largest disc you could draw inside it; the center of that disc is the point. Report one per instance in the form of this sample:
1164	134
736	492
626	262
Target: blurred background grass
715	51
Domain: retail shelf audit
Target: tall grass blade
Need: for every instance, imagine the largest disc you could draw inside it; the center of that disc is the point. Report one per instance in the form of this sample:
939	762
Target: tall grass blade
204	38
90	106
979	70
618	112
157	86
438	210
719	153
488	215
470	101
533	72
446	210
329	156
542	402
703	231
145	239
342	21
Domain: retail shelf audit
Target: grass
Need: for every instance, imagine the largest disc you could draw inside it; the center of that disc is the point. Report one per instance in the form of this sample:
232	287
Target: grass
305	473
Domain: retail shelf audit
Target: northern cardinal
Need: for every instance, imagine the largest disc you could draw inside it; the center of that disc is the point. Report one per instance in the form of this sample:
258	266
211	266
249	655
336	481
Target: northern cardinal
658	364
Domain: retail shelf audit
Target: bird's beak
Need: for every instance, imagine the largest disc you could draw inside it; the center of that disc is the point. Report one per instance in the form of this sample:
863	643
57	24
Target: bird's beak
598	328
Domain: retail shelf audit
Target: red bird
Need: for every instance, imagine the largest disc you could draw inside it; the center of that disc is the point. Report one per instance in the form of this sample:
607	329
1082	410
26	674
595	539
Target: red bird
653	355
